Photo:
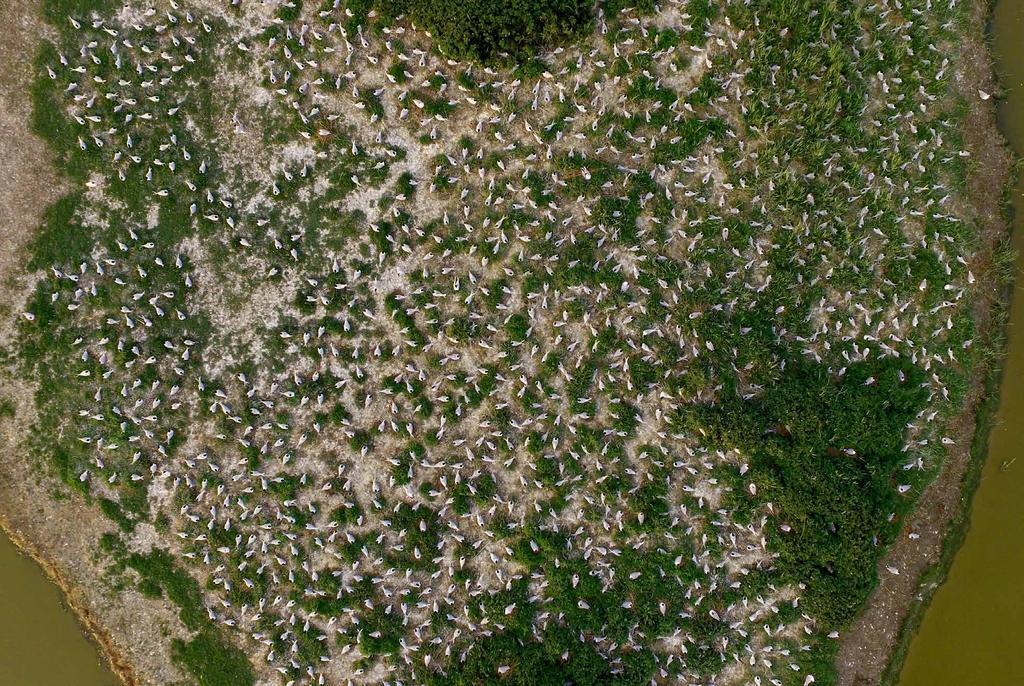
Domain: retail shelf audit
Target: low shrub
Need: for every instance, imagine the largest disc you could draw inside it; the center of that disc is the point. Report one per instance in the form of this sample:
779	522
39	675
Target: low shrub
483	30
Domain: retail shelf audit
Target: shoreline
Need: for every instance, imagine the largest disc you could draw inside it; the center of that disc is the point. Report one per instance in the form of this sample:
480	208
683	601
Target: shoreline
24	206
960	526
874	648
90	625
933	577
60	534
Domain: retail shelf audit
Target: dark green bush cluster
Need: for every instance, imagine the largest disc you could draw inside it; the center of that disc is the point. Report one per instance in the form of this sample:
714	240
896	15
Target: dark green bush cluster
212	660
485	29
209	657
826	451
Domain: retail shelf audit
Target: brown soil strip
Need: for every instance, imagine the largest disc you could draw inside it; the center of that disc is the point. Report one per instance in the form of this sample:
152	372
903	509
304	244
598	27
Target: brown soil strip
72	598
59	532
866	648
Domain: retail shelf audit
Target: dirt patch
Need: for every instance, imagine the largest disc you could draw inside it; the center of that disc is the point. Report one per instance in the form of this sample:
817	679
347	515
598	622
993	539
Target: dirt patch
865	649
60	533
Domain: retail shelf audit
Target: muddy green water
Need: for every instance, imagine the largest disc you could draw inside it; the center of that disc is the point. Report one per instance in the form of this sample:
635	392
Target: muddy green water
973	632
41	642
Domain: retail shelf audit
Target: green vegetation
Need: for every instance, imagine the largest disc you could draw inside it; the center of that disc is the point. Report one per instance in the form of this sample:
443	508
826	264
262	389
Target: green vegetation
212	661
986	416
827	453
581	369
486	29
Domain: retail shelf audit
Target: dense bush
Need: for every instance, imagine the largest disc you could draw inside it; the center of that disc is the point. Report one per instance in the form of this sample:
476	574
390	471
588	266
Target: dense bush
826	452
483	29
212	660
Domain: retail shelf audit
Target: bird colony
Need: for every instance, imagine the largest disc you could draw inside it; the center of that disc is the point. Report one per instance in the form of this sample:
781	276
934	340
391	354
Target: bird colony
619	364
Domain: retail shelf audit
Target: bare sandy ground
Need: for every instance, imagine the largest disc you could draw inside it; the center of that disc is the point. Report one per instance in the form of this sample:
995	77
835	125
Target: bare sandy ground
866	648
60	533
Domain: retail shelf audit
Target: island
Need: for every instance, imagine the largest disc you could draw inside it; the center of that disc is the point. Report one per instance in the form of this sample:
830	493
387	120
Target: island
526	342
